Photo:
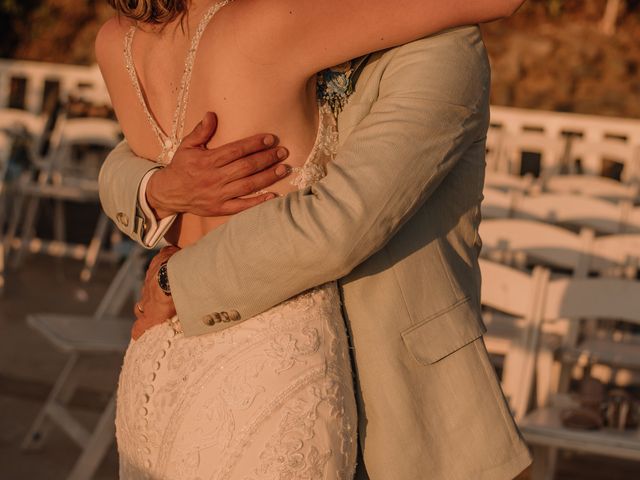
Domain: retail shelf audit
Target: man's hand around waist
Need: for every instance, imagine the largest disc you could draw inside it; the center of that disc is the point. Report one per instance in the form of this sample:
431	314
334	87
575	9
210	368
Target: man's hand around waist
154	306
211	182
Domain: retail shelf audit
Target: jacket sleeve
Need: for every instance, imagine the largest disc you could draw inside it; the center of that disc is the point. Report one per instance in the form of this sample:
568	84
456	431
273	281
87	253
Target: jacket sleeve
432	105
121	176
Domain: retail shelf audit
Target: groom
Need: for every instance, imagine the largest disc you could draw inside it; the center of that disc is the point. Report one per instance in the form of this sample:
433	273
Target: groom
396	221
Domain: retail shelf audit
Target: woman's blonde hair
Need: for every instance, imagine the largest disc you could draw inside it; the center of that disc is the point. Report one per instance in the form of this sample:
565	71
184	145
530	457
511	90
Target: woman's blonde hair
151	11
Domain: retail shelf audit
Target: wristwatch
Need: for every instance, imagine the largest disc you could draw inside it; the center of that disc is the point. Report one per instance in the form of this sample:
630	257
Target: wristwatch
163	279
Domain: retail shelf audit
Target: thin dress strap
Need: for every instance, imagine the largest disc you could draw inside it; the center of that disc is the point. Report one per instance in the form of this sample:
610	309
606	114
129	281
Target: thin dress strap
170	143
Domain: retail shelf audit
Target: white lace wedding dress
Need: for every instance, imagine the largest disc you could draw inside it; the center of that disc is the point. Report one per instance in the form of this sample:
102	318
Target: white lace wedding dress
270	398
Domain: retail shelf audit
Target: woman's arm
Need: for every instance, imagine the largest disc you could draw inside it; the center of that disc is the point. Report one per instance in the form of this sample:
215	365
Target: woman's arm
313	34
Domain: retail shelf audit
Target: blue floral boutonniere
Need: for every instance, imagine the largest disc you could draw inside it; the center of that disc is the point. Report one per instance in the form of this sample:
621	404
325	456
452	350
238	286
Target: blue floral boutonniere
335	85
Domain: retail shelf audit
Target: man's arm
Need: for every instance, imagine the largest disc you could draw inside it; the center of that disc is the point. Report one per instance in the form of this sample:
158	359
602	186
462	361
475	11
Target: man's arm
432	105
119	191
143	198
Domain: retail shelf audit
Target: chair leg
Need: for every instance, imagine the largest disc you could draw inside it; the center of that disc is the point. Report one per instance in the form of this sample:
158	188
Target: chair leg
3	219
97	447
2	269
93	251
14	219
28	229
61	393
544	463
59	230
544	376
518	372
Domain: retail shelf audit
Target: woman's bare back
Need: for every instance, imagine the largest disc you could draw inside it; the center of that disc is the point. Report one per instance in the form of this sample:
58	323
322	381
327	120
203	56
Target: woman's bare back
249	97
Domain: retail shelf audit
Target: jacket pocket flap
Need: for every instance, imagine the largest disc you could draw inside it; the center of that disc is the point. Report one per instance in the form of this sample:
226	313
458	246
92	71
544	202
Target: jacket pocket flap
445	332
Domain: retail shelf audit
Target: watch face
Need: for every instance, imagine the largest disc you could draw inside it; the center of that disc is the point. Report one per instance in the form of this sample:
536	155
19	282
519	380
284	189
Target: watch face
163	279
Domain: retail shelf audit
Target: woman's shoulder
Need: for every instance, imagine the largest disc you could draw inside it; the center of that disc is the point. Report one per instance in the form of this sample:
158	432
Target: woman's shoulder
110	39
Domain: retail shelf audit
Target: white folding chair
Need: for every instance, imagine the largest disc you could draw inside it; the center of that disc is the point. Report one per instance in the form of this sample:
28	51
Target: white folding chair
579	211
60	179
574	300
493	148
102	333
523	242
551	150
5	153
592	156
16	127
17	122
592	186
512	303
498	203
616	255
508	182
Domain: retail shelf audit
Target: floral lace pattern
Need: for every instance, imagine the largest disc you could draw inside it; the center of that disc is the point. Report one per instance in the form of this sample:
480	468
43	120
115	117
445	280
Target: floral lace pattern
271	398
323	151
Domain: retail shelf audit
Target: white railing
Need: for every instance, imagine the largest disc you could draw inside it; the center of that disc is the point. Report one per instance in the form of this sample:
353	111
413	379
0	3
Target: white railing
562	136
594	128
70	78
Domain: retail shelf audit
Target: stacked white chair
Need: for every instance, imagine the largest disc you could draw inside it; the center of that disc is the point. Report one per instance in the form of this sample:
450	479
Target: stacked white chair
17	127
522	243
577	301
592	186
580	212
511	300
56	177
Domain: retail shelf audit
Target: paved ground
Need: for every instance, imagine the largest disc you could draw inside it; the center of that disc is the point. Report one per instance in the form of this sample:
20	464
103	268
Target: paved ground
28	366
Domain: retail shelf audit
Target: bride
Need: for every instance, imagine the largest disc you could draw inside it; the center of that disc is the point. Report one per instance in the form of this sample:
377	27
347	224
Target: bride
271	397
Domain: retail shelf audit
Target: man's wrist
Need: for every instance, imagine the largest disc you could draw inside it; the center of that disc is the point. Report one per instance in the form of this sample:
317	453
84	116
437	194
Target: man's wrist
163	279
153	194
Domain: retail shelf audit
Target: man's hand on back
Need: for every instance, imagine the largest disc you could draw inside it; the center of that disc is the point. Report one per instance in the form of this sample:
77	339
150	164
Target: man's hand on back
211	182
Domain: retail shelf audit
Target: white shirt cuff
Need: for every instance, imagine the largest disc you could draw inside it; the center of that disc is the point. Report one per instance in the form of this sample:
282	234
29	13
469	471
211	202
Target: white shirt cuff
153	229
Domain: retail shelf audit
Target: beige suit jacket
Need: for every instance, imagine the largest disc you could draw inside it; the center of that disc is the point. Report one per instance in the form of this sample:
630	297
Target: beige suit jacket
396	221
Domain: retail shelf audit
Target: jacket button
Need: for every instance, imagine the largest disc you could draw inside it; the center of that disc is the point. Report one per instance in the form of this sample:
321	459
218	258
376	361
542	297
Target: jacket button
123	219
234	315
225	317
208	320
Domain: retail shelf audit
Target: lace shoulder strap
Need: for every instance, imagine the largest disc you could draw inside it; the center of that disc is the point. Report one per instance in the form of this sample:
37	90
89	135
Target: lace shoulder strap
169	143
131	69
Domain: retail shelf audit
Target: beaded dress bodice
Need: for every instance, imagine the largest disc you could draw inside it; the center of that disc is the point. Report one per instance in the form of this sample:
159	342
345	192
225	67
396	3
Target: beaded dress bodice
270	398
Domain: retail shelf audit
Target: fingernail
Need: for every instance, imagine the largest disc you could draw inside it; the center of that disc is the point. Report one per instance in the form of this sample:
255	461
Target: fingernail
269	140
282	170
282	153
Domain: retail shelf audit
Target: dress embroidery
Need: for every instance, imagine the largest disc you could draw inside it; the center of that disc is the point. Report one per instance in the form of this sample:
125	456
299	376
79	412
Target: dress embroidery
268	399
170	143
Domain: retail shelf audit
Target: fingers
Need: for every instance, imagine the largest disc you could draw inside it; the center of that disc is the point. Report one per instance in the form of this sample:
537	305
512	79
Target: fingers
257	182
251	164
237	205
144	321
138	329
202	133
233	151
